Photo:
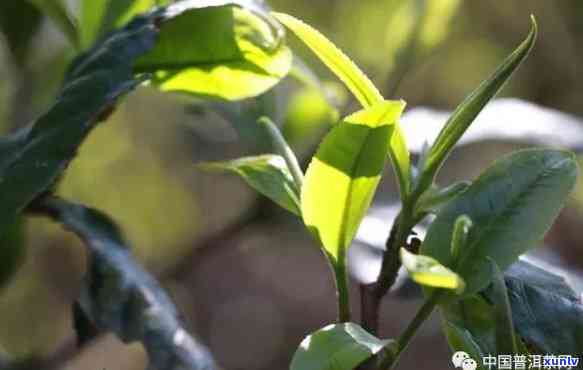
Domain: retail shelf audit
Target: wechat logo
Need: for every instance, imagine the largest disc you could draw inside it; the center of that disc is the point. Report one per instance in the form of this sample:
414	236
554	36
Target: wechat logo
462	360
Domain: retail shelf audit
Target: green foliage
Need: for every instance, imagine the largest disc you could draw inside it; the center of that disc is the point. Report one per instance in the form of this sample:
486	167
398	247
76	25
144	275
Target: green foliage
350	160
427	271
468	110
358	84
336	347
243	60
547	313
131	304
506	341
512	205
269	175
230	50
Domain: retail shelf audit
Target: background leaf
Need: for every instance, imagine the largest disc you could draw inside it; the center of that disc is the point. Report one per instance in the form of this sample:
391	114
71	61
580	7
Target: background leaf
120	296
33	159
268	174
12	251
19	21
427	271
58	12
512	205
336	347
244	59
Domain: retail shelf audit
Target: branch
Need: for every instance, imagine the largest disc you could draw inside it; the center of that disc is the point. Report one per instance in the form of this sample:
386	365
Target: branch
121	297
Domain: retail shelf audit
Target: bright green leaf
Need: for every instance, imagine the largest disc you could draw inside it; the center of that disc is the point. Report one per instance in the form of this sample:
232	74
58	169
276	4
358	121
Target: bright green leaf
344	173
220	52
336	347
512	205
468	110
58	12
429	272
356	81
506	341
360	86
268	174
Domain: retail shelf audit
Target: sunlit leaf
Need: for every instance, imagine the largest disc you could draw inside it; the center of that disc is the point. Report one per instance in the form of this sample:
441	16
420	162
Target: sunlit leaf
512	205
357	82
58	12
429	272
119	296
344	174
244	59
268	174
469	109
336	347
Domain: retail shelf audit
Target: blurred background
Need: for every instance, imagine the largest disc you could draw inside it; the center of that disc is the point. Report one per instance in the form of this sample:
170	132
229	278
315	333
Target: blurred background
247	278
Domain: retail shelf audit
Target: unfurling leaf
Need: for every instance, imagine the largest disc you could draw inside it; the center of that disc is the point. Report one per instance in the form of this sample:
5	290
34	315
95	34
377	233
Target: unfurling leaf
429	272
468	110
220	52
336	347
267	174
360	86
511	205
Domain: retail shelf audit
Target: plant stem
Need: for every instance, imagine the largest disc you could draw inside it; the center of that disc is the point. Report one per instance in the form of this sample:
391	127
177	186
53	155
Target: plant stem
390	363
283	149
342	290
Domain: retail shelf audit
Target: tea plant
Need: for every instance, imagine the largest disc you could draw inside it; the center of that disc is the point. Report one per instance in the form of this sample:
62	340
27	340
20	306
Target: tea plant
479	231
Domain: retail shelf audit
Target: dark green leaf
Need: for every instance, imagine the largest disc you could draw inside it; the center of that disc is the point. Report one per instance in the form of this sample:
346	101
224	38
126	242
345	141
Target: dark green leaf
434	199
19	21
12	250
505	336
33	159
268	174
469	109
547	313
512	205
120	296
336	347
